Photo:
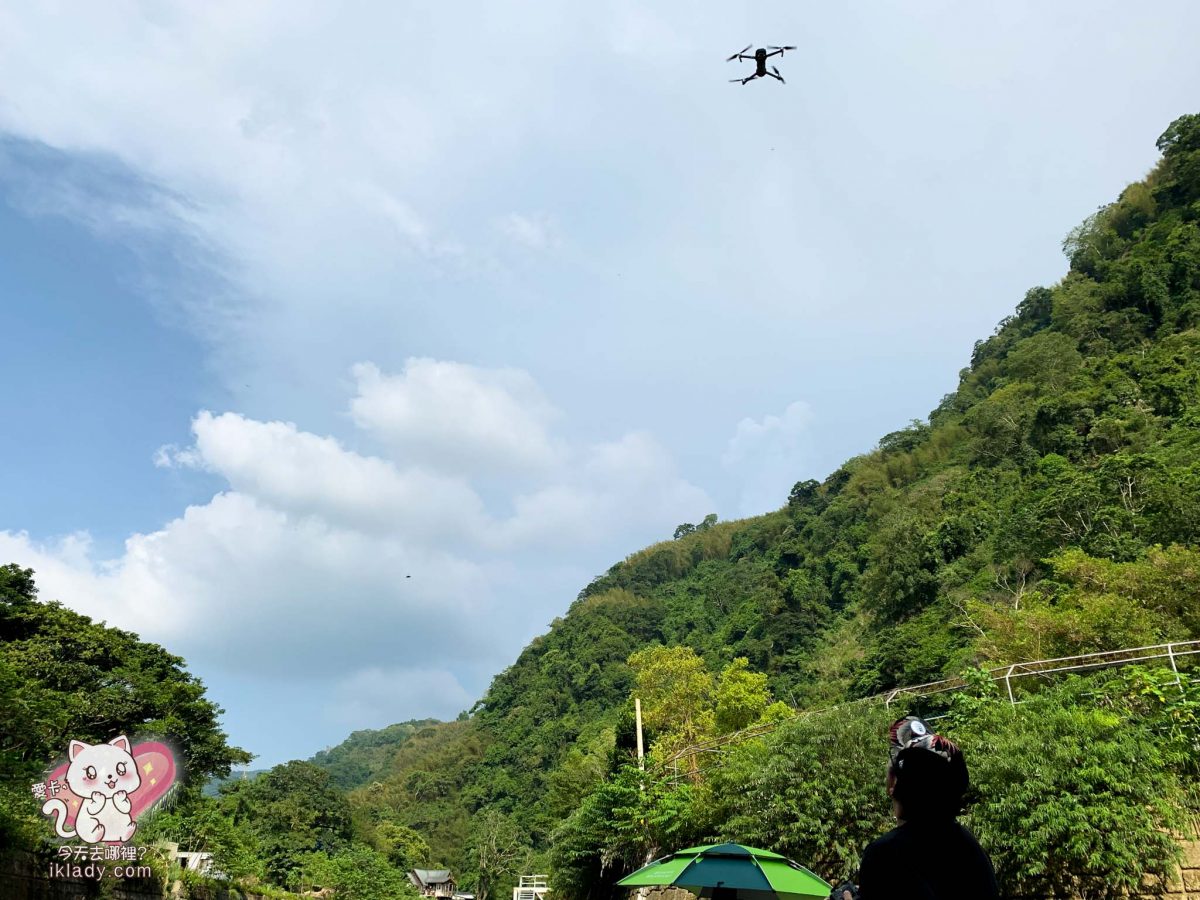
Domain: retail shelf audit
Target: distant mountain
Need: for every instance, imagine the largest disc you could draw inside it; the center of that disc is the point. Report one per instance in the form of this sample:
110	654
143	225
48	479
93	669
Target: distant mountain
365	754
214	786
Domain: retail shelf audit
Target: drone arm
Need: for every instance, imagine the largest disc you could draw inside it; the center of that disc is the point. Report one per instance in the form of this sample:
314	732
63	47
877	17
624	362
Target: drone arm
778	52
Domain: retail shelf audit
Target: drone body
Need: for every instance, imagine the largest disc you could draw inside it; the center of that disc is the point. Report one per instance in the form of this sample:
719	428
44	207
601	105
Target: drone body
760	62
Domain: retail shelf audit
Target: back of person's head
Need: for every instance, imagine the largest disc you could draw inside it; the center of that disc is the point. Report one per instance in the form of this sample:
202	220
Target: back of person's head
929	770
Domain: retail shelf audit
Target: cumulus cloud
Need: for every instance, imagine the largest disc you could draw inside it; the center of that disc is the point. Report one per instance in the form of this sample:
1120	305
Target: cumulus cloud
241	586
458	417
310	475
766	454
615	485
382	585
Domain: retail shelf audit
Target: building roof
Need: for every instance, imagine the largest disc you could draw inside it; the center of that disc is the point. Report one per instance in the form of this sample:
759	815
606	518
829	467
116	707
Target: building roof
429	877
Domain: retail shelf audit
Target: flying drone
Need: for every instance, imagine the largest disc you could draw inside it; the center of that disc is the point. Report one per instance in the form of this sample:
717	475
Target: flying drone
760	60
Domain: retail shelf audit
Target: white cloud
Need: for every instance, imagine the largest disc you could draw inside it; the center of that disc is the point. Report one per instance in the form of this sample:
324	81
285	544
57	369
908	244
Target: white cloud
766	456
616	486
243	587
374	582
656	40
458	417
395	693
307	474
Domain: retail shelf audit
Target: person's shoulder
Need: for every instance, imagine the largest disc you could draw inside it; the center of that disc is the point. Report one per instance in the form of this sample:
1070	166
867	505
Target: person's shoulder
878	861
885	843
966	835
978	862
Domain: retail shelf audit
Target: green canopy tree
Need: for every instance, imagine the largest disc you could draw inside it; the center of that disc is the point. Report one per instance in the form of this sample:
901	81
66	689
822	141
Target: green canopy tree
354	873
742	697
676	691
64	677
291	810
812	790
403	846
1073	800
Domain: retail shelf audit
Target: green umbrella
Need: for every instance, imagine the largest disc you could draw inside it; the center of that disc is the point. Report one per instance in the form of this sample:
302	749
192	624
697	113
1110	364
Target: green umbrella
753	874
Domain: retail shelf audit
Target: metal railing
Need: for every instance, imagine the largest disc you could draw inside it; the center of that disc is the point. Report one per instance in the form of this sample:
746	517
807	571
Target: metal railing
531	887
1171	652
1105	659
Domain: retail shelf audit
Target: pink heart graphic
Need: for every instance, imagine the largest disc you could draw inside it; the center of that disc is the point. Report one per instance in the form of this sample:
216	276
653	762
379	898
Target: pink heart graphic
156	766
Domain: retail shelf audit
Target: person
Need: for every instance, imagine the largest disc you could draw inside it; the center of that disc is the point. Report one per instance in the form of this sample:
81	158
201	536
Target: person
929	855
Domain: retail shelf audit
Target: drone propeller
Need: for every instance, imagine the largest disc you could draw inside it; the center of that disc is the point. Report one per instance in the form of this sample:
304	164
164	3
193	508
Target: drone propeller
739	53
777	75
781	48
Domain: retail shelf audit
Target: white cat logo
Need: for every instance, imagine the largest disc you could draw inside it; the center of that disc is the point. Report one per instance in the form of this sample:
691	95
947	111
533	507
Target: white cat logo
104	775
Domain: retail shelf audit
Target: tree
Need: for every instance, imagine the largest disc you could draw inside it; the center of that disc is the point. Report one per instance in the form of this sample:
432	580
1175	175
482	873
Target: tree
1074	800
574	778
802	492
496	852
292	810
812	790
1180	147
742	697
624	823
403	847
354	873
64	677
1093	604
676	691
201	824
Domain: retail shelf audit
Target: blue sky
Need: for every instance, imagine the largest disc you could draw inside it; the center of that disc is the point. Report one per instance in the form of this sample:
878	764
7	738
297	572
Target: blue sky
303	299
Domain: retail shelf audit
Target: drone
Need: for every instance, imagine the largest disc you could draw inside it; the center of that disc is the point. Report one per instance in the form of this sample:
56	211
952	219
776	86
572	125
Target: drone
760	60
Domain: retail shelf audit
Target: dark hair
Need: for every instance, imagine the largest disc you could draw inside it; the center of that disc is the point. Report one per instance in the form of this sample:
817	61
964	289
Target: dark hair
927	784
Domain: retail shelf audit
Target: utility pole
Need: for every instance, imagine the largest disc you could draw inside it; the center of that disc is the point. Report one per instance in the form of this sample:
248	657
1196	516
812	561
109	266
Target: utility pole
637	712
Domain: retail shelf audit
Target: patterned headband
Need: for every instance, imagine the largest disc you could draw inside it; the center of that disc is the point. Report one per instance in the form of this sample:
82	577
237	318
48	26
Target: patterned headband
913	732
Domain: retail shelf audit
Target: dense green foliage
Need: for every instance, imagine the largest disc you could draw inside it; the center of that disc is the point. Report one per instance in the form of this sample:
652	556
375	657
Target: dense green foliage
365	754
64	677
1079	791
356	873
1079	796
426	789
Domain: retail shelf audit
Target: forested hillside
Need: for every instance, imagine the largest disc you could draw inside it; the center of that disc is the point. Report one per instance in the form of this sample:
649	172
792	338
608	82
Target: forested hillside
1048	506
363	755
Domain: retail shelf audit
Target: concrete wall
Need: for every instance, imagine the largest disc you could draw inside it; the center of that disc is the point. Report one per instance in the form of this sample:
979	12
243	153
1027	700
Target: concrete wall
24	876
